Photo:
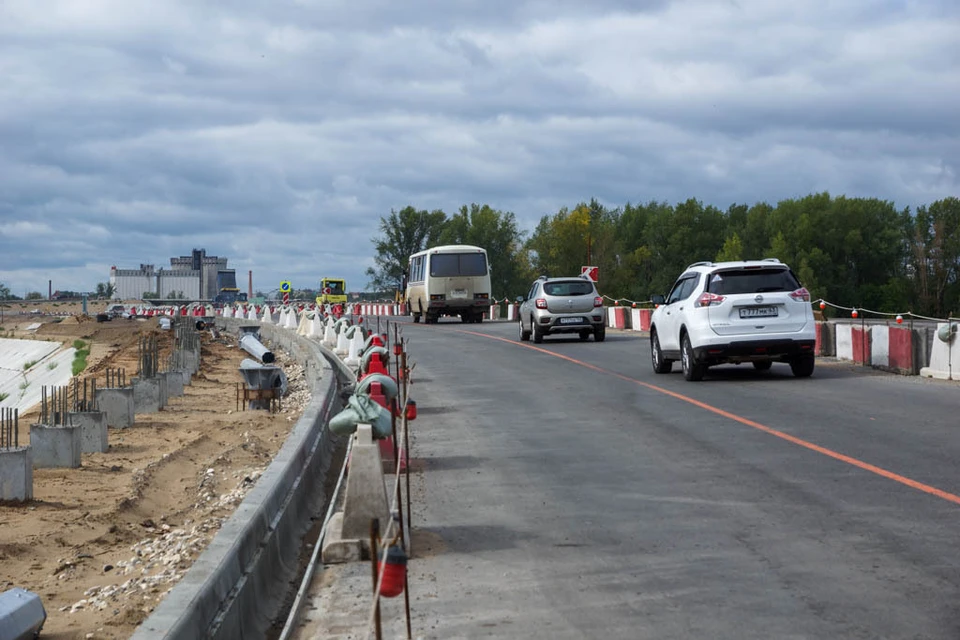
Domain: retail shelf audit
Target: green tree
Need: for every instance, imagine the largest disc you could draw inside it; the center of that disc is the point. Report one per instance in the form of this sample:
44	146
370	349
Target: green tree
34	295
4	292
933	246
105	290
402	233
732	249
497	232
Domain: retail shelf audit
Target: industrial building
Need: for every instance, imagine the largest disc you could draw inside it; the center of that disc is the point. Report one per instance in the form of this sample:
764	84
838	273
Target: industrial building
194	277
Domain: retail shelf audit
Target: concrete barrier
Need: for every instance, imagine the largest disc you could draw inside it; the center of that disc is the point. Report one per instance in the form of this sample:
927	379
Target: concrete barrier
944	357
640	319
616	317
236	586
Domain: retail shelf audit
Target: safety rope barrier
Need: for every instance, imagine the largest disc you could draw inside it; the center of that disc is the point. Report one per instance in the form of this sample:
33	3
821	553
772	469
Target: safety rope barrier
856	311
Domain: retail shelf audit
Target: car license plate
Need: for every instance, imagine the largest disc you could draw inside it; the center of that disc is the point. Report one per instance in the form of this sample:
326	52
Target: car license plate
571	320
458	293
758	312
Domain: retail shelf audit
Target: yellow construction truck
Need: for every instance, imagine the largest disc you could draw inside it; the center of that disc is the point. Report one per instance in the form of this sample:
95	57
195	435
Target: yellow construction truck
332	291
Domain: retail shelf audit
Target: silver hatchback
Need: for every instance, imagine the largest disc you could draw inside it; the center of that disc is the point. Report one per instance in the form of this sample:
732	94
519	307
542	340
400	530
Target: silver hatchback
562	305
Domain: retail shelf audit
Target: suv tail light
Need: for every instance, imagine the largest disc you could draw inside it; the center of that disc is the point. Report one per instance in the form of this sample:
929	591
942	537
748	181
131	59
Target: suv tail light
541	303
801	295
708	299
597	302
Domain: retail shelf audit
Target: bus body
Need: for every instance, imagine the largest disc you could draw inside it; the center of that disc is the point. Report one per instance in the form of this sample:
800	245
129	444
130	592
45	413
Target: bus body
450	280
332	291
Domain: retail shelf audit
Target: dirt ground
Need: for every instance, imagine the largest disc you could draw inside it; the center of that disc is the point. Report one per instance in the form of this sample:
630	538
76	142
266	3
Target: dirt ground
104	543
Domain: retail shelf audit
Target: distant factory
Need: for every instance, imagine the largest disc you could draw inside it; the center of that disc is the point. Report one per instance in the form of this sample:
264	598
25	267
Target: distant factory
194	277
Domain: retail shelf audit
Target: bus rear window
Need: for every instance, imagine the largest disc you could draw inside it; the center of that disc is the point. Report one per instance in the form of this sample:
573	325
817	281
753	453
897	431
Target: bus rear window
446	265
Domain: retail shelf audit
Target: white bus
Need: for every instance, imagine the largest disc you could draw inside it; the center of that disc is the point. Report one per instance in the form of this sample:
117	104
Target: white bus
452	280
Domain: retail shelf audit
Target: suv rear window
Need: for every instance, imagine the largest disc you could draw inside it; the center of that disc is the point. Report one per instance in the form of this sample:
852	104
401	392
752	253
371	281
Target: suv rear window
752	281
571	288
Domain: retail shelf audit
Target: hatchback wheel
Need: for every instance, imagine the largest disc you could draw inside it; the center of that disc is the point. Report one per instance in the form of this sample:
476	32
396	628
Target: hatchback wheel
537	332
692	370
599	334
660	364
524	335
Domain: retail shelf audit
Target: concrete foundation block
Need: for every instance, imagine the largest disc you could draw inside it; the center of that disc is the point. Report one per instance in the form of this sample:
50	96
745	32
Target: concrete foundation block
93	430
146	395
117	405
174	384
162	386
55	447
16	474
191	361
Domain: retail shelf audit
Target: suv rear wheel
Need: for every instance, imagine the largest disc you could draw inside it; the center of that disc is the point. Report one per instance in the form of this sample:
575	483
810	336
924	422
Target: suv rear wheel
692	370
762	365
802	366
660	364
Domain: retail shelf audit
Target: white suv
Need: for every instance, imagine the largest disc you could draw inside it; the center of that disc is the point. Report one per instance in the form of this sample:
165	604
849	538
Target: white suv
732	312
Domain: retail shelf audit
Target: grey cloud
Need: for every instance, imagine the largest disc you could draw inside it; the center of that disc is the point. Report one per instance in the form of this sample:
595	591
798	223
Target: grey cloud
279	135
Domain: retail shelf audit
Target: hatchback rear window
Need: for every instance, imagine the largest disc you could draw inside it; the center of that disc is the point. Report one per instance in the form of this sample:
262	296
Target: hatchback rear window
752	281
572	288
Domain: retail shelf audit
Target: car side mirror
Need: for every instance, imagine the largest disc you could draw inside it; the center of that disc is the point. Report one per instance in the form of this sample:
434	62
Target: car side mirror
657	299
520	299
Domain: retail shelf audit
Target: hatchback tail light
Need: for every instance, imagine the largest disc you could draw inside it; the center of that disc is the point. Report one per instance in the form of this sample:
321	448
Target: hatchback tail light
541	303
801	295
708	299
597	302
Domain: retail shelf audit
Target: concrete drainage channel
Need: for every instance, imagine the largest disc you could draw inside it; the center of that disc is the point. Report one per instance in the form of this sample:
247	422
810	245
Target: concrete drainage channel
237	586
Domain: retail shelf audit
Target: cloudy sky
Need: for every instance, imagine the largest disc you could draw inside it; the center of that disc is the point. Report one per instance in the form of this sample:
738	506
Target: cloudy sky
278	133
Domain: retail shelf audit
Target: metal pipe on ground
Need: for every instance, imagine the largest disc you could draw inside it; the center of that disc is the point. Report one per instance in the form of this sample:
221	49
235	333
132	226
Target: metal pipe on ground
254	347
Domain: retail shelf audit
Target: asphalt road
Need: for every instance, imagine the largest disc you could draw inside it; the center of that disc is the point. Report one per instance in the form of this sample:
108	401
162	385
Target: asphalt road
569	492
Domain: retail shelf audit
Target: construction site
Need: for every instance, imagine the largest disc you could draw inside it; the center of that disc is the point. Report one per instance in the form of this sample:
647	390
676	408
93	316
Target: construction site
101	543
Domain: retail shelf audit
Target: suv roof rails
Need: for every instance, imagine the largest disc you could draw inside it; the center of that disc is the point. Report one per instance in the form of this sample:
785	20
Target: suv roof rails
705	263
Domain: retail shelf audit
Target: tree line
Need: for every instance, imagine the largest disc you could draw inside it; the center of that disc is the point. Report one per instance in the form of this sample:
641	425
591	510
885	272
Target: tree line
857	252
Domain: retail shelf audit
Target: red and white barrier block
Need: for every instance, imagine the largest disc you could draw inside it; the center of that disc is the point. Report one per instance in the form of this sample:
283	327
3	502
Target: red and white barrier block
640	319
617	317
892	348
853	343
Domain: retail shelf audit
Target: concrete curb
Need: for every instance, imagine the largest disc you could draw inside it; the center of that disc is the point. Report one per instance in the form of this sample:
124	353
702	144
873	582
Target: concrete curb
235	588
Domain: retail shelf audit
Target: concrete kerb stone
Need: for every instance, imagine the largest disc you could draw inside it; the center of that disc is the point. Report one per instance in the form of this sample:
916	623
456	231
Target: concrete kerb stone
93	430
117	404
236	586
55	446
16	474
